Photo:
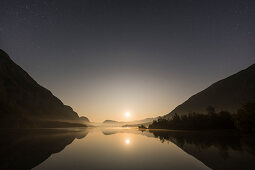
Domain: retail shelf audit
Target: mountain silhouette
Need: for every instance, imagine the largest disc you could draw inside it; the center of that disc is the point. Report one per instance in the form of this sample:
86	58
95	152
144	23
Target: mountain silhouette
24	103
228	94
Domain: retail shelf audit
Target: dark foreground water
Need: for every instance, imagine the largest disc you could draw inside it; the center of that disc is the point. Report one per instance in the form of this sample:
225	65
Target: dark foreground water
118	148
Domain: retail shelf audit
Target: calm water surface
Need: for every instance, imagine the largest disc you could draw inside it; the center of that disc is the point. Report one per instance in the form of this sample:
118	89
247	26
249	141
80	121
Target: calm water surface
119	148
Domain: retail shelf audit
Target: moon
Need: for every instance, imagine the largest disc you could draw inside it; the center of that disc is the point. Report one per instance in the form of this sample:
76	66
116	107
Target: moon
127	141
127	114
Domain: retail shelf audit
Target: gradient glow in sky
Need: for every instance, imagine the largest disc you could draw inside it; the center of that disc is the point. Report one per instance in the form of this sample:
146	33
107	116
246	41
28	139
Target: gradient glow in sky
106	58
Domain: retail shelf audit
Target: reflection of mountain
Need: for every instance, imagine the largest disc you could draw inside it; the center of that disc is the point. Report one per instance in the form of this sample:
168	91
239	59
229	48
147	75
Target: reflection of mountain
214	149
112	131
123	130
108	133
27	149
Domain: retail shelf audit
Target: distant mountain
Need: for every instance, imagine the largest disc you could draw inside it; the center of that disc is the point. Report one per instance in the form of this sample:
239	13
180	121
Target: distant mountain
111	121
134	123
228	94
146	122
24	103
84	119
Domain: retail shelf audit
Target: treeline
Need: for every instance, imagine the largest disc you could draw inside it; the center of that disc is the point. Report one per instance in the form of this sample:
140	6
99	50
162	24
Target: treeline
243	120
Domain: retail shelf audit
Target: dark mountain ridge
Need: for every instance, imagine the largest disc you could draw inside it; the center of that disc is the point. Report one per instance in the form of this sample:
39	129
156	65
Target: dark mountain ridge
228	94
24	103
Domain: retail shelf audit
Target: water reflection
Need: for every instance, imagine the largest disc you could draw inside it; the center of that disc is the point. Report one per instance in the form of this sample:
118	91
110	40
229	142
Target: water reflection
28	148
217	150
125	149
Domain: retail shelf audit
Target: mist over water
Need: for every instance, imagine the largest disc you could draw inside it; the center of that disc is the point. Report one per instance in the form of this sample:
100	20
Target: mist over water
115	148
125	148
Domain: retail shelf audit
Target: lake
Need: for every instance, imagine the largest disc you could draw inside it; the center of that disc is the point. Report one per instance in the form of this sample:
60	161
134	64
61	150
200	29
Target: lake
125	148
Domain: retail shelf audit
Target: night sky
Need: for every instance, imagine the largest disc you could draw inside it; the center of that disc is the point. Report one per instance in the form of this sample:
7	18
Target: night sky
104	58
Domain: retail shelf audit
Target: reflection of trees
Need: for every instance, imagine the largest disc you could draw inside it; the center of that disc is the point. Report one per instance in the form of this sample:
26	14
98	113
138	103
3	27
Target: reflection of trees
212	147
202	140
27	149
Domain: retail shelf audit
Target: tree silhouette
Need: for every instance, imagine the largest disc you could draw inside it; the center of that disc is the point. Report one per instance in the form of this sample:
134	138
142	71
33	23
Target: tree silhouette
245	118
